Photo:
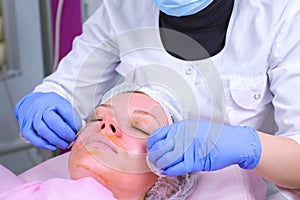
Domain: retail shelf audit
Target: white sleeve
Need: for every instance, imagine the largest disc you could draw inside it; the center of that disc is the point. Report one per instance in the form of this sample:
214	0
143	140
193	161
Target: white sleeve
285	81
88	71
284	74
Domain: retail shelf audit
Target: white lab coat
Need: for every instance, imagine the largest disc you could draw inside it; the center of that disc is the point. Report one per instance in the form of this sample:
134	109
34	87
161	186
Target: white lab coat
256	74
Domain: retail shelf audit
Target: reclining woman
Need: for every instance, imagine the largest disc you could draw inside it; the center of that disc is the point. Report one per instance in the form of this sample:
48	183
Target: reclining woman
111	149
112	146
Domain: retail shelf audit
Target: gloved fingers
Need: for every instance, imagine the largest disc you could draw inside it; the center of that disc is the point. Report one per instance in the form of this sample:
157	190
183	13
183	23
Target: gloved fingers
162	146
175	170
158	135
32	137
168	159
160	150
23	104
165	138
29	112
69	115
184	164
17	108
176	154
177	137
58	126
47	134
41	143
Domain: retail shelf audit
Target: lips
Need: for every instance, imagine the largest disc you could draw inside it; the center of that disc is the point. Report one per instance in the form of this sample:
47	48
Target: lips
100	142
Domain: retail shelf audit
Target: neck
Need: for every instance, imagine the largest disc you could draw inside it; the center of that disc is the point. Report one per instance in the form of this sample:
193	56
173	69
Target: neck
123	196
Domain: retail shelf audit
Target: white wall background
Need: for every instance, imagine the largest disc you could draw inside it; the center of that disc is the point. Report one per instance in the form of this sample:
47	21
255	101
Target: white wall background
30	55
89	7
30	51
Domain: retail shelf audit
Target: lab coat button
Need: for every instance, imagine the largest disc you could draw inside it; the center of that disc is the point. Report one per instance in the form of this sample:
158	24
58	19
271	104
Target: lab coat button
189	71
257	96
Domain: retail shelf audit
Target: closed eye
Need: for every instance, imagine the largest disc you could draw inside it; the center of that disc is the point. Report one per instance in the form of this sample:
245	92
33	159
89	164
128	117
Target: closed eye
96	120
143	121
142	131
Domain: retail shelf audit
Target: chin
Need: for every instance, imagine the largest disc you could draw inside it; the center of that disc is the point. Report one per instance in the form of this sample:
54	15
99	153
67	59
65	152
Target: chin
83	164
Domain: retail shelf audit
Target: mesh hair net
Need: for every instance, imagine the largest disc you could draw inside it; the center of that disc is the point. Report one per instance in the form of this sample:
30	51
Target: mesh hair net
173	188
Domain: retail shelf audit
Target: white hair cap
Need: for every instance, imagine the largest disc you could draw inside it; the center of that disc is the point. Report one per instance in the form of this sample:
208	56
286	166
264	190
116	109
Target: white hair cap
167	99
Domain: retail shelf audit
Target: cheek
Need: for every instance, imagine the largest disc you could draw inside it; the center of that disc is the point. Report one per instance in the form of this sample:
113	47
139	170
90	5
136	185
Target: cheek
134	145
83	164
78	157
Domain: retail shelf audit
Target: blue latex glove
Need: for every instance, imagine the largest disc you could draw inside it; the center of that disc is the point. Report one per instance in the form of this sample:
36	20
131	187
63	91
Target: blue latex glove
197	145
47	120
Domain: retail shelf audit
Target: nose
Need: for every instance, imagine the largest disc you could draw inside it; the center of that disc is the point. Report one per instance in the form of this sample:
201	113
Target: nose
108	126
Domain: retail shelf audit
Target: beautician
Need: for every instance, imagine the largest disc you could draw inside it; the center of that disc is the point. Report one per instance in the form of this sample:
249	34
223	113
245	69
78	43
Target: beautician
254	46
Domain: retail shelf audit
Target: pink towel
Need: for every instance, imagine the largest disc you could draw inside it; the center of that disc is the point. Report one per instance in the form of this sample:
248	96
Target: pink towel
13	188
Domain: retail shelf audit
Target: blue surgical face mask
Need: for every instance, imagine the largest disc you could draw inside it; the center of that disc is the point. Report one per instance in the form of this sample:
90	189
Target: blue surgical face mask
180	8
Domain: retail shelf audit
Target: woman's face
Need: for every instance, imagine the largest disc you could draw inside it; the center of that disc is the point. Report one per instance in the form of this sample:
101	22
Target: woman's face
113	145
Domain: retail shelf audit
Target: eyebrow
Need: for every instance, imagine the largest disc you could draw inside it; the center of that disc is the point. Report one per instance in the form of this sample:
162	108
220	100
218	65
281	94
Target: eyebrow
106	105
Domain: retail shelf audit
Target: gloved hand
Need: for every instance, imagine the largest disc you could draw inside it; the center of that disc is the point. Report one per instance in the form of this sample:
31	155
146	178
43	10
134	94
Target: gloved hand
47	120
197	145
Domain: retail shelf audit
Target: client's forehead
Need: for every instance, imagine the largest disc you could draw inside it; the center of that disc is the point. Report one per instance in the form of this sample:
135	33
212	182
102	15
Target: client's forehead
130	102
